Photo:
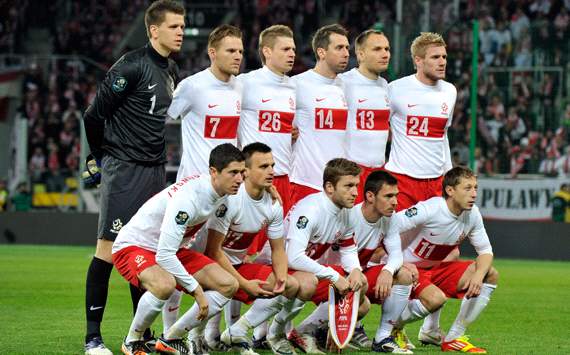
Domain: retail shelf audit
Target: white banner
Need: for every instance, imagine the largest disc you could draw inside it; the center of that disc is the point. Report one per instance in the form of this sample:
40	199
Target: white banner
517	199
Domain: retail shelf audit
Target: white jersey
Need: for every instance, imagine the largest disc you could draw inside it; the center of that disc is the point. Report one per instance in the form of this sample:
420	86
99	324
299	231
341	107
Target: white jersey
210	111
369	237
240	219
312	226
268	109
168	220
368	118
321	117
419	118
436	231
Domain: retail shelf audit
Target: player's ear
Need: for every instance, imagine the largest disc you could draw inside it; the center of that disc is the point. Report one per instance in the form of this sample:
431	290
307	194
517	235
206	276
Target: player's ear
369	196
449	190
329	187
212	53
321	53
153	31
213	171
266	52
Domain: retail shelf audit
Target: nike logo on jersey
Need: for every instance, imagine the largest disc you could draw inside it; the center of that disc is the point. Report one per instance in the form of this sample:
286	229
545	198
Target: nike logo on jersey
150	87
172	309
212	106
319	100
414	105
433	235
95	308
265	100
362	100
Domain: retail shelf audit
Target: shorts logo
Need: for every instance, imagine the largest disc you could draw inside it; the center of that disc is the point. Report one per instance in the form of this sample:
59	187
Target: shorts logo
181	218
119	84
302	222
139	259
221	211
116	227
410	212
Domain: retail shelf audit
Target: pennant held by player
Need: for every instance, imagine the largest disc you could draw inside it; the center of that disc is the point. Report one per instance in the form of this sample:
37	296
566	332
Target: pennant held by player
343	314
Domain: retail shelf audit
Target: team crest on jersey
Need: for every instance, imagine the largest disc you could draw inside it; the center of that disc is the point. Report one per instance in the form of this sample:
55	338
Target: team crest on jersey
238	106
444	108
221	211
302	222
410	212
291	104
119	84
181	217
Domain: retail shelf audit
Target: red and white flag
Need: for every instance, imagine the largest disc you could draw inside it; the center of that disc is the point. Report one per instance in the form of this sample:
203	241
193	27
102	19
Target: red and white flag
343	314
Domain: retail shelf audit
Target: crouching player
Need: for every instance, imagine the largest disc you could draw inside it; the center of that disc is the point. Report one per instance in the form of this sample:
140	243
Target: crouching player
388	284
437	226
147	252
230	233
313	225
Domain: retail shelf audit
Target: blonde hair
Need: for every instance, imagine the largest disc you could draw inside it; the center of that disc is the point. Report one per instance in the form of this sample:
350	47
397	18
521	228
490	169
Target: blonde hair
423	41
268	37
221	32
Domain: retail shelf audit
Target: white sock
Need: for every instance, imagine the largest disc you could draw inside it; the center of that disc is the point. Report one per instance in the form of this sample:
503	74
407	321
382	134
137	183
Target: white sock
263	309
319	317
413	311
190	320
392	308
289	311
148	309
212	331
469	311
261	330
232	312
170	310
431	321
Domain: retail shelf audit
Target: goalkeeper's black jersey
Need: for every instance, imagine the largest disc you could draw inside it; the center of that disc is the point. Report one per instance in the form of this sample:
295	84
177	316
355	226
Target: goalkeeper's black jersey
127	117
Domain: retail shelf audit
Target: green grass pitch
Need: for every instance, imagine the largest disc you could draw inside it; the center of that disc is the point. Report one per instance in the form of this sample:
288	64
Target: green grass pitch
43	288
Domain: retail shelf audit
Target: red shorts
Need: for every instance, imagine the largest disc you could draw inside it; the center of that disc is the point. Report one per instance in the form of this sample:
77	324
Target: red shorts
131	261
445	276
371	276
299	192
412	190
251	272
322	291
363	175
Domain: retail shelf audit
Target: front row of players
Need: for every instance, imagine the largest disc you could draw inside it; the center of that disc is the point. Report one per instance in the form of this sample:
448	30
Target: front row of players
324	239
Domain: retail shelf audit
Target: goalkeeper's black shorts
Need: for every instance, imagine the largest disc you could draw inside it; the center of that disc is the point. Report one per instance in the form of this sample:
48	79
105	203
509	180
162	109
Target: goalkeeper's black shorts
125	187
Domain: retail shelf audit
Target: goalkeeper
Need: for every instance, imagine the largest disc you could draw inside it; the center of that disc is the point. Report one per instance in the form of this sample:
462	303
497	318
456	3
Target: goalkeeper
125	127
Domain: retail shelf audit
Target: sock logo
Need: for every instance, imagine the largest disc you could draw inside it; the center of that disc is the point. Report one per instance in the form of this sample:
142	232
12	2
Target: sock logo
92	308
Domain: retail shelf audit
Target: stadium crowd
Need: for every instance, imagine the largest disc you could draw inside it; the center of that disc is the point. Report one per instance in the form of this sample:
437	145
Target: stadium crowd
519	129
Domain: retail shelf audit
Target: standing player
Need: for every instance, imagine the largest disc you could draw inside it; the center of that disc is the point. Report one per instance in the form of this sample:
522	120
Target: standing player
125	128
368	107
388	284
315	224
209	102
268	103
421	112
437	226
321	112
148	253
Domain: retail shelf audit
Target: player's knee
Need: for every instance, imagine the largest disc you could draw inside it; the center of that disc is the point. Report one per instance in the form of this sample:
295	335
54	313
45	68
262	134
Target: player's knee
307	286
403	277
433	300
492	276
291	287
228	286
103	250
163	287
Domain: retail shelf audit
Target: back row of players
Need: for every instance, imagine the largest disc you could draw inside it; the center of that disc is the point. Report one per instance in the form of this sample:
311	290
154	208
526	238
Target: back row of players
293	130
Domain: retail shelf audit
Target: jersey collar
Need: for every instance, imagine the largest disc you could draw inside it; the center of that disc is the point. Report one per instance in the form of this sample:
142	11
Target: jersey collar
156	57
328	205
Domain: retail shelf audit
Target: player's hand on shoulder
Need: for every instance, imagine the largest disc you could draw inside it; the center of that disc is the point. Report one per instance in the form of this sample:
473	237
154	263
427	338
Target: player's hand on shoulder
92	175
275	194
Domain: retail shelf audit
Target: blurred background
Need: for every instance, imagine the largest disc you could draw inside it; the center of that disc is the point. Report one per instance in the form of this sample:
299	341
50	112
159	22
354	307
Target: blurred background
53	53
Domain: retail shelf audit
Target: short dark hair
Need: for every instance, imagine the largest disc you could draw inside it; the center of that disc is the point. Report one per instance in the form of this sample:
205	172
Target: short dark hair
377	179
322	38
363	36
253	148
221	32
337	168
223	155
156	12
453	177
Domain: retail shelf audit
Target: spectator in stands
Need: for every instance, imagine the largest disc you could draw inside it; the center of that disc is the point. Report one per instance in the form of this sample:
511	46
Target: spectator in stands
22	200
561	204
3	196
563	163
37	165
